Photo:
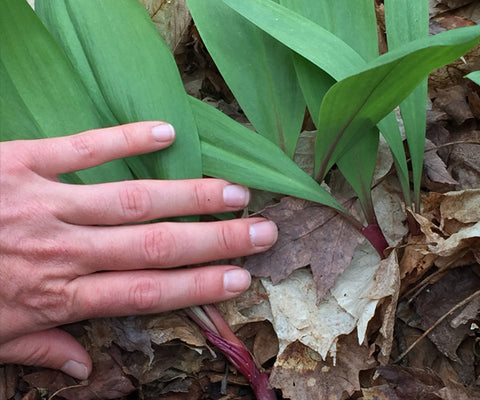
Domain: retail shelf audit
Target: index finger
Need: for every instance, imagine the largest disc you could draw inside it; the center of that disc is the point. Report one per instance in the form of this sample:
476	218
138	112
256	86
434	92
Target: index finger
53	156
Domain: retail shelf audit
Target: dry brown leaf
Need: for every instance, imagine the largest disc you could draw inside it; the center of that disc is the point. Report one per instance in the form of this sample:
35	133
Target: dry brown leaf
8	381
411	383
451	234
171	19
464	160
107	381
419	384
301	373
309	234
438	179
453	101
438	299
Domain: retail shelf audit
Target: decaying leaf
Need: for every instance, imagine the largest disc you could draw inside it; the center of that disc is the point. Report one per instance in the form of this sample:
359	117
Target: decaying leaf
302	374
309	234
450	224
171	19
107	381
440	297
464	160
414	383
438	178
350	304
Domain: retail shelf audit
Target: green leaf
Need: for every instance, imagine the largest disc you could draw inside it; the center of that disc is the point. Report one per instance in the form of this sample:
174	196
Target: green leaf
114	43
474	76
302	35
354	23
258	69
406	21
41	94
357	103
231	151
320	48
357	166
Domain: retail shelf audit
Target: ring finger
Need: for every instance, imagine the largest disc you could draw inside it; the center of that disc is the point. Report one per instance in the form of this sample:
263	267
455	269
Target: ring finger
166	244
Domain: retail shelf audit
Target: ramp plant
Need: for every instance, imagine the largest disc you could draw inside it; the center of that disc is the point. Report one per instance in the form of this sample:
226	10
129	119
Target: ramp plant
88	64
349	89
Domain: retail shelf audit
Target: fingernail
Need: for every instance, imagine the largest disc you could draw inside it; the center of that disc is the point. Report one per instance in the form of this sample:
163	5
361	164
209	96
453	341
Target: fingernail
163	132
75	369
263	233
236	195
236	280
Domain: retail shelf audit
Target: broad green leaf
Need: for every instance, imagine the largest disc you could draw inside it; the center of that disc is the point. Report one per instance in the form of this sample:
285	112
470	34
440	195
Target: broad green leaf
41	94
355	103
258	69
355	23
339	60
302	35
116	42
406	21
320	48
232	151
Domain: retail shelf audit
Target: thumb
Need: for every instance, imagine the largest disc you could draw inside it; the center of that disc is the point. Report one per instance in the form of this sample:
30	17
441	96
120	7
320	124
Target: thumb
51	348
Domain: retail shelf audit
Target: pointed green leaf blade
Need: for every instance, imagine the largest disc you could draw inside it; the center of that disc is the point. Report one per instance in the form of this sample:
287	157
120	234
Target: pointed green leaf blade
44	98
135	72
407	20
302	35
231	151
354	104
258	69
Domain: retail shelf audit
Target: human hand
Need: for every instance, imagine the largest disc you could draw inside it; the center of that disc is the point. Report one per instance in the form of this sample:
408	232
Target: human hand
66	255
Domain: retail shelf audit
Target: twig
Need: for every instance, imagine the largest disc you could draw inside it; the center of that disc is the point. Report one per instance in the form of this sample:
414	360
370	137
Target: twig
65	388
438	322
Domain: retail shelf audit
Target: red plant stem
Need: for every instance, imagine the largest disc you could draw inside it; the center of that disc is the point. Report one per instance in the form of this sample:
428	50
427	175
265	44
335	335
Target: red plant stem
375	236
219	333
243	361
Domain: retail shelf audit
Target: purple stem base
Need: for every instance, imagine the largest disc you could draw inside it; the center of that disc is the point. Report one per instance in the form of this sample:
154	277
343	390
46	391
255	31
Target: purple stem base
375	236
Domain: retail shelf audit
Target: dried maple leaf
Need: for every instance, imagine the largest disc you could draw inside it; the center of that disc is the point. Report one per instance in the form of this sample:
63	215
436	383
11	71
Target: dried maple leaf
309	234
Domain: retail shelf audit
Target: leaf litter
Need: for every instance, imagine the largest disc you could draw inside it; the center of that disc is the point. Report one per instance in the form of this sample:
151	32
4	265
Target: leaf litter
324	329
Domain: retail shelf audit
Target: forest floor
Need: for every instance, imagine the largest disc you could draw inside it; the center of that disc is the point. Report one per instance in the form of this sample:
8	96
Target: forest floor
423	337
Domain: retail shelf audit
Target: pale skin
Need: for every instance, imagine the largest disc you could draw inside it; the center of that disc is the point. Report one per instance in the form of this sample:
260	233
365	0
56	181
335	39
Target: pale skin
66	254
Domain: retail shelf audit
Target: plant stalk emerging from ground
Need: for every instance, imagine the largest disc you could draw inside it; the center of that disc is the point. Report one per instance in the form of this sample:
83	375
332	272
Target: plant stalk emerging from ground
217	331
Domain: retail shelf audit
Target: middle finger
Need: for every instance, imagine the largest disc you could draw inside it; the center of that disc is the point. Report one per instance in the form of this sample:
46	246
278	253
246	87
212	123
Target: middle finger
170	244
142	200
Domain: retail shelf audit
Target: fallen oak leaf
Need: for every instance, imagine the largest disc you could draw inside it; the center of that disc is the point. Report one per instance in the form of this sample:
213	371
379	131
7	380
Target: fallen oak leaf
309	234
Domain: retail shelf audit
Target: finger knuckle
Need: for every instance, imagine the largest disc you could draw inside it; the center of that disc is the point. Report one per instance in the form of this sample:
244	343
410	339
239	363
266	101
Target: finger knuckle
128	133
200	196
135	202
84	145
50	303
200	285
160	247
144	295
228	238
